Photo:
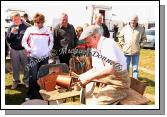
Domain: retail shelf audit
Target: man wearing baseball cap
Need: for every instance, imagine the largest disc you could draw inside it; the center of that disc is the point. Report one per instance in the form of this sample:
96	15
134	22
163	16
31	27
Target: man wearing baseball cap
109	68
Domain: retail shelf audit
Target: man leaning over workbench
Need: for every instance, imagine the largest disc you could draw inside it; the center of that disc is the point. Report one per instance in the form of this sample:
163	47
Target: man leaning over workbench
109	68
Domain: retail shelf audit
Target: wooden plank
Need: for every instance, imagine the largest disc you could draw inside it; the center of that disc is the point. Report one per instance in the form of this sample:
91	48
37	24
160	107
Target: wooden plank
138	86
55	95
135	94
134	98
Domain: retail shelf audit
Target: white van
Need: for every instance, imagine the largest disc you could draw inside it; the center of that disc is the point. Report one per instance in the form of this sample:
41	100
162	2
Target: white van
150	33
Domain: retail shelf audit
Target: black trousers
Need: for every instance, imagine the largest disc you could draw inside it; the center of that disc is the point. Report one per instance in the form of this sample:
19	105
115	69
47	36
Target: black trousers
33	92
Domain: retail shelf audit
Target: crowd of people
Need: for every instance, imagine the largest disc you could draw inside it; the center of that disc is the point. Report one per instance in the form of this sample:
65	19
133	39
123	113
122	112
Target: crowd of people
31	42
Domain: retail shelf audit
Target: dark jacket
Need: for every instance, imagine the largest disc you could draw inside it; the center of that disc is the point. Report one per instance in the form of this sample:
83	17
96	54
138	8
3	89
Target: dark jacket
64	35
15	40
106	31
6	46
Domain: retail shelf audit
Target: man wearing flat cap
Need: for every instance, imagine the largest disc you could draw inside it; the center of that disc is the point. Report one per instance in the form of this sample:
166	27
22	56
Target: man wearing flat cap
109	68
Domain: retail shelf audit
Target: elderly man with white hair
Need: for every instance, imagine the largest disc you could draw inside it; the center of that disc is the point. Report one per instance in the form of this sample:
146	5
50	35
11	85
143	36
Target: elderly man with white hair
130	39
109	68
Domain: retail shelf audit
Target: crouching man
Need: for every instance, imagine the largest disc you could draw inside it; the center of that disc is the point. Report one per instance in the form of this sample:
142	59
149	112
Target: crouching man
109	68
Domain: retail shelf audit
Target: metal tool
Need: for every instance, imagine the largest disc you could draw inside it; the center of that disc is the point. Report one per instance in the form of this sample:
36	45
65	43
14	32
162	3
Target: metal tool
83	95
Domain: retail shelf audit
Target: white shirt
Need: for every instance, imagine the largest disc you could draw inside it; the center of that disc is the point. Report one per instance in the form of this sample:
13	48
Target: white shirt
108	50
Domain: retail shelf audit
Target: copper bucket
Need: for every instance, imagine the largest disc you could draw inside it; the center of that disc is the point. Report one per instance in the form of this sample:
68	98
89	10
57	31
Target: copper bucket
64	80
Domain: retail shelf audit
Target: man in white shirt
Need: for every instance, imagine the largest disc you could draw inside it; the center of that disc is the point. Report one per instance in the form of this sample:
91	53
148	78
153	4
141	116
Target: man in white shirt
109	68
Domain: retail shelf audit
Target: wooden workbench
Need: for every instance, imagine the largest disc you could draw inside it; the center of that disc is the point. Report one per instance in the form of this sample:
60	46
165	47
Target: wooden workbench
55	95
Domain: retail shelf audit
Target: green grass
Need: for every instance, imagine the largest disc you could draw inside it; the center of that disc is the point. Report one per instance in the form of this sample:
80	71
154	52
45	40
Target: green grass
147	61
16	97
150	89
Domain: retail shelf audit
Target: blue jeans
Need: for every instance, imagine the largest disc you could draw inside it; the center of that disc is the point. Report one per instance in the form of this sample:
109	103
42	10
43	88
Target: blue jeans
33	92
135	63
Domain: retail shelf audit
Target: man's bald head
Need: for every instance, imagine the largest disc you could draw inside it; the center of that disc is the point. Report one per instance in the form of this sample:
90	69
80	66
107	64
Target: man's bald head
134	20
64	19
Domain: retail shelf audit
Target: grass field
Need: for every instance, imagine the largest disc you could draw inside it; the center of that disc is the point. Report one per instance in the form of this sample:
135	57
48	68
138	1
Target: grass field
147	61
16	97
147	72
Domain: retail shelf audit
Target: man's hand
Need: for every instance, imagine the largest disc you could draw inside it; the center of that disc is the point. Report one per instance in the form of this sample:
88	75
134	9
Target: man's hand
14	30
84	80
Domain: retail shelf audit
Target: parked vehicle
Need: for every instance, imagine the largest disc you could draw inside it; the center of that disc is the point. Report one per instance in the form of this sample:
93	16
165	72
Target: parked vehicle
111	33
150	33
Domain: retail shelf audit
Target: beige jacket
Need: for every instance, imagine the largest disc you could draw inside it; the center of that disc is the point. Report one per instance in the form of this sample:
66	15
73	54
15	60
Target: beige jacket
131	39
